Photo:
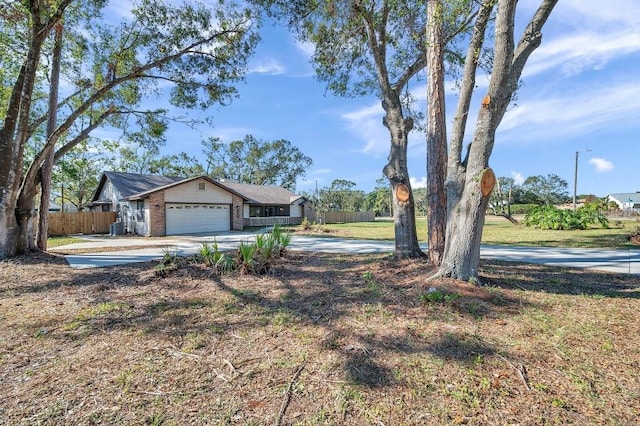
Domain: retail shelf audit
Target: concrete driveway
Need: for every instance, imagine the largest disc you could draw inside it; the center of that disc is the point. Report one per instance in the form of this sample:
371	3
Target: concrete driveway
618	261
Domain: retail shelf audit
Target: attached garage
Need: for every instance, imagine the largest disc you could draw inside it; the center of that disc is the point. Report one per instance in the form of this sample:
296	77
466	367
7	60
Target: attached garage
182	218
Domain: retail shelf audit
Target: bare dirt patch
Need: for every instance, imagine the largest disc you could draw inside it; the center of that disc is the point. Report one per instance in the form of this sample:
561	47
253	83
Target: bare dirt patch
322	339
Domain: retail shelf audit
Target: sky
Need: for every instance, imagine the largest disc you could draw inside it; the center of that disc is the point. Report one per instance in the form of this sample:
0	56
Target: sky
580	99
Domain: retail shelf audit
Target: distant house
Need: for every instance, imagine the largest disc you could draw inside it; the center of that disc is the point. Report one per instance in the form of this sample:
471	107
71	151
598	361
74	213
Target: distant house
160	205
626	200
54	208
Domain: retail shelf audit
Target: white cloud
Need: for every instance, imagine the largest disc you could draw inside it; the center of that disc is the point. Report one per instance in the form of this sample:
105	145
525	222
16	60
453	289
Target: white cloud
120	9
518	179
576	53
418	183
600	164
591	12
228	134
366	123
306	48
269	66
572	113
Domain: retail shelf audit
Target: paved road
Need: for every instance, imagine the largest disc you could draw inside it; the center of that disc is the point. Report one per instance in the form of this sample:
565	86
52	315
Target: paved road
619	261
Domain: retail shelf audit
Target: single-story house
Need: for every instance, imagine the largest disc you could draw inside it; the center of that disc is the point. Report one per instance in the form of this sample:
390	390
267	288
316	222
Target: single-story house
160	205
626	200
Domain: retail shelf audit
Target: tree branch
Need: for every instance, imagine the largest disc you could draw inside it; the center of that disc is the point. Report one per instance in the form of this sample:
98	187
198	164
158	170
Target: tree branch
531	39
468	83
84	134
38	121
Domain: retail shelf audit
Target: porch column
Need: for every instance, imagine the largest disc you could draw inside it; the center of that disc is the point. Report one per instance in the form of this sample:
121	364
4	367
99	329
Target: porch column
157	212
237	213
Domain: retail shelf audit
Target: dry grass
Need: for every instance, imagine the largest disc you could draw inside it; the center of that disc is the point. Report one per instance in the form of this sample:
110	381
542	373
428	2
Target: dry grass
321	340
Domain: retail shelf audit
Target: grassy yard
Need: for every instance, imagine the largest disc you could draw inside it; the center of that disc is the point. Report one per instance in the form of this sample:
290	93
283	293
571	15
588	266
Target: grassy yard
321	340
61	241
498	230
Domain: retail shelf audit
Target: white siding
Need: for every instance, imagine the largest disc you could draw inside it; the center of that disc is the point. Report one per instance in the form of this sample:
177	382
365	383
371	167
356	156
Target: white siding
188	193
296	210
109	192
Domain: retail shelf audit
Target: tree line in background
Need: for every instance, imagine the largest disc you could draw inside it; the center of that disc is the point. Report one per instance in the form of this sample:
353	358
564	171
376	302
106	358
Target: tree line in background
250	160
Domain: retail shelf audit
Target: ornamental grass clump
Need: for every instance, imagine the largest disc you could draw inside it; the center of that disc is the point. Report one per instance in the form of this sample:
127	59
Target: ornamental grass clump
220	261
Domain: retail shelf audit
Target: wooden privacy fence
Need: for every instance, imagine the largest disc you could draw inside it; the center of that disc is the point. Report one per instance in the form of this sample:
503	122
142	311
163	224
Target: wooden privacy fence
80	223
347	217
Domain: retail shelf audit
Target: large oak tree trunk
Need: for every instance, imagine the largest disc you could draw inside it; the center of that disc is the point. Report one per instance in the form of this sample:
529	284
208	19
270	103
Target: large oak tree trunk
470	181
436	135
15	218
404	211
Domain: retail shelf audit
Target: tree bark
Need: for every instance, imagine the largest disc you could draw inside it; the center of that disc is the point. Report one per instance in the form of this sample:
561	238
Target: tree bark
14	217
47	165
436	135
466	200
396	170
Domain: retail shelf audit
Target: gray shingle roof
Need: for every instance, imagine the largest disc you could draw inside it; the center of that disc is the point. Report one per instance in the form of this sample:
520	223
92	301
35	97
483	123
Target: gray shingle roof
262	194
133	186
624	197
131	183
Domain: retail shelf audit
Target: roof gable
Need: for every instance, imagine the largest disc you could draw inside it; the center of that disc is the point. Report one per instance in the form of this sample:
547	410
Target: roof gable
129	184
145	194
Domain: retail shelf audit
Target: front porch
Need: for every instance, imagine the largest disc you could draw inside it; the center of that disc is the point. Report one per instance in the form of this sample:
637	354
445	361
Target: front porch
270	221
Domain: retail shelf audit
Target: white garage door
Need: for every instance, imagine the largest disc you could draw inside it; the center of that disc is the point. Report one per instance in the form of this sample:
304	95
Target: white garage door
195	218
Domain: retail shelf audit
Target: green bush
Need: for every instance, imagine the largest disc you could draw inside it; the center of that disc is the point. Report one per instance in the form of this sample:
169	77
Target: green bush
168	263
257	257
220	261
305	224
551	217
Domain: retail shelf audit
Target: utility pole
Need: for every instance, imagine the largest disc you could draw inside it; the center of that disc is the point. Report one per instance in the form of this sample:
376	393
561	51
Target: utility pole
575	179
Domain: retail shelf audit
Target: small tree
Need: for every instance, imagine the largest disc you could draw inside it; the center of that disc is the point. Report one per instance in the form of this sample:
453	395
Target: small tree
548	190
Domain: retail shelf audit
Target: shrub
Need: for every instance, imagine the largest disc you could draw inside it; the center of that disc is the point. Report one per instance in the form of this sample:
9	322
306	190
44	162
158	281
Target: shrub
550	217
225	264
209	253
281	239
220	261
246	260
168	263
522	208
305	224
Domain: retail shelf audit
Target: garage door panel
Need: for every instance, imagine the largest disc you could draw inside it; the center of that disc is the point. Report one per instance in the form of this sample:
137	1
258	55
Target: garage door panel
196	218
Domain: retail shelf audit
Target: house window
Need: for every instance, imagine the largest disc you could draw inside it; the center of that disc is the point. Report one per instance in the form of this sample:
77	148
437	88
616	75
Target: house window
282	211
105	207
201	186
139	214
268	211
256	211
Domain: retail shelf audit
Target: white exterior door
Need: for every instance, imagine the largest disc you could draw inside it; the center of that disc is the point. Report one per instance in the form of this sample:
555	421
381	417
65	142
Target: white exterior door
196	218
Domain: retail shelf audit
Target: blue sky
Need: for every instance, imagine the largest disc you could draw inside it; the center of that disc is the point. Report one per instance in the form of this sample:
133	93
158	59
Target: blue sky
581	91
